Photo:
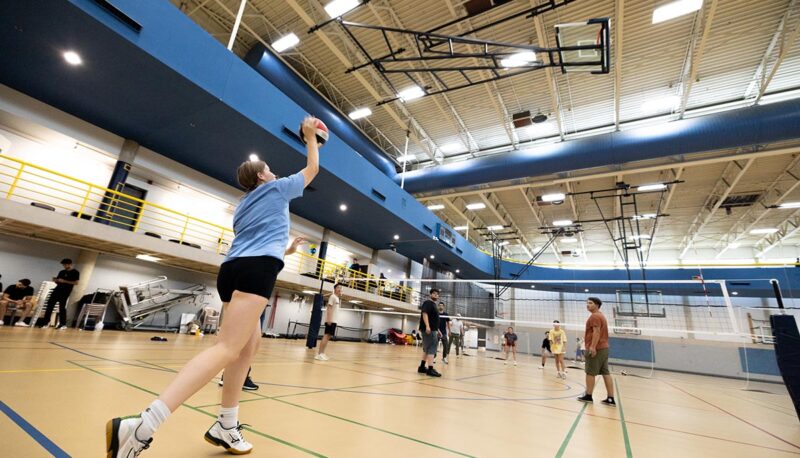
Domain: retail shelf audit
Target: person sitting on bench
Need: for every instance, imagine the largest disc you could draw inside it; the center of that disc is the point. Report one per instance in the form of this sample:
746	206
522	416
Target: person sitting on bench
19	295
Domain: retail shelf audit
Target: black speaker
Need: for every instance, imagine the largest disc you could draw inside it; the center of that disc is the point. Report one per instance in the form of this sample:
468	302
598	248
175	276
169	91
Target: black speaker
787	352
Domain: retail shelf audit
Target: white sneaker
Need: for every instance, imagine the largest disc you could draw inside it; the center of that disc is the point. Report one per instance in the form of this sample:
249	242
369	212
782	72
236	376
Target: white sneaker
62	328
540	367
515	363
121	440
505	363
21	324
445	361
1	323
321	357
229	439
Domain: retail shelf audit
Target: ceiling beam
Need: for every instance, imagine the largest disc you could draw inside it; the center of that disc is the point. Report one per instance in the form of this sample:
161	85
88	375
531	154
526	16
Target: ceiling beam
538	216
418	134
697	57
787	229
757	84
471	222
620	15
733	172
496	207
676	176
785	46
757	211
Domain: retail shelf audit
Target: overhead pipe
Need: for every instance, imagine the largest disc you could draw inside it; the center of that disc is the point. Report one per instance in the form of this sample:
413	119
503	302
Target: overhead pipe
270	66
756	125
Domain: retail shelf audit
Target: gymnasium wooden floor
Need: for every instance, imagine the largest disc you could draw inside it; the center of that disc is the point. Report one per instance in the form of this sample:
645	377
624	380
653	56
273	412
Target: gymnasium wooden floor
58	388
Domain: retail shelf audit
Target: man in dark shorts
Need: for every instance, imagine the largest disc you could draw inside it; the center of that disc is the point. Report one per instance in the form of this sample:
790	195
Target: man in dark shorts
429	325
19	295
65	281
334	302
596	338
545	348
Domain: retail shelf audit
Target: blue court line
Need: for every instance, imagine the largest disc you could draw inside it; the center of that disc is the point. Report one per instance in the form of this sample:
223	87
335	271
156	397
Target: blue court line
33	432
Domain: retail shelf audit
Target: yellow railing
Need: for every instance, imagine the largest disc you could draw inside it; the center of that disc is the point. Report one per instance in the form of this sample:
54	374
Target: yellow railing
24	182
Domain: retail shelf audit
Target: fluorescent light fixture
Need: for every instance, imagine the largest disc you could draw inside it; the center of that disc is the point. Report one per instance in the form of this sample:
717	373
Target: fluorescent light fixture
389	271
254	158
790	205
73	58
519	59
343	207
586	290
555	197
495	228
569	240
309	291
337	8
406	158
562	222
675	9
147	257
661	104
476	206
504	243
360	113
460	228
641	237
533	286
652	187
355	302
645	216
451	147
412	93
388	308
735	293
764	231
432	256
397	236
436	207
285	42
458	271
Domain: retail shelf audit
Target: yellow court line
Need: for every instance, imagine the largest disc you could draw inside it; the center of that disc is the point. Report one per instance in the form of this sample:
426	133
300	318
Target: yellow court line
23	371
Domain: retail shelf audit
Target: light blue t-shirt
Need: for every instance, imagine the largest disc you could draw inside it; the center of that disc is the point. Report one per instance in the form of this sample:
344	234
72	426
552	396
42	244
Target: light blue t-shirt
261	221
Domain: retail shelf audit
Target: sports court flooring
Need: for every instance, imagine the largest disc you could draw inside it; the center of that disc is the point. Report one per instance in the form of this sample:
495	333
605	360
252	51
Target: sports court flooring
60	387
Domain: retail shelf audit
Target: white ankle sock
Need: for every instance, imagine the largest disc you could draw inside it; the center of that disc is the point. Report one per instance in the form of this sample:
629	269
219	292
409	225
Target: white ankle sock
228	417
152	417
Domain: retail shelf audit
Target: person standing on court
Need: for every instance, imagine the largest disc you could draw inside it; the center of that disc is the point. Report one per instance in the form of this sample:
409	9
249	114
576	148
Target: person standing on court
65	281
558	345
429	325
245	282
545	348
510	338
330	321
596	338
444	331
456	331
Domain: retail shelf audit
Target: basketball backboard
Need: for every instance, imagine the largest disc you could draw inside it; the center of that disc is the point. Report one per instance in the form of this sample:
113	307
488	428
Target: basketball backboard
584	46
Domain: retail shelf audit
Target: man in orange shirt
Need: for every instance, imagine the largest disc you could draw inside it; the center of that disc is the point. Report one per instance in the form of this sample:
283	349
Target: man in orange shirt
596	338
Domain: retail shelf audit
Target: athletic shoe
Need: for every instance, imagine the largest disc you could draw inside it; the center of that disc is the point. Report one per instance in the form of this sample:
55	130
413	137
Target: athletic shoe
249	385
21	324
229	439
515	363
121	440
540	367
586	398
432	372
505	362
422	370
220	381
61	328
445	361
609	402
2	323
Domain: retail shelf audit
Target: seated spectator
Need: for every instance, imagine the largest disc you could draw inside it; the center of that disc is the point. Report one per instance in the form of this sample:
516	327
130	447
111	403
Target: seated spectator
20	295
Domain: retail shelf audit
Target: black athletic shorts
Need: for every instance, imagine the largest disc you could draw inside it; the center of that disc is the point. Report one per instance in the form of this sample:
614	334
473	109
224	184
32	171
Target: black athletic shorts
254	275
330	329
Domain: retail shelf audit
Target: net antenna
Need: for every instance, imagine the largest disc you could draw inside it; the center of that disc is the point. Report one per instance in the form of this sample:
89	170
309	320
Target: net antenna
457	60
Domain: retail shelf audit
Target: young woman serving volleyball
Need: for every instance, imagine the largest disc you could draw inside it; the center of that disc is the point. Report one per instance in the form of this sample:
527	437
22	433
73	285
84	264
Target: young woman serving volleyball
245	282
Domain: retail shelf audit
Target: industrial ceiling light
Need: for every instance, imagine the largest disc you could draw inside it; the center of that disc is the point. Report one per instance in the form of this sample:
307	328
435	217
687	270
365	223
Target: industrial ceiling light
661	104
504	243
562	222
406	158
337	8
432	256
308	291
360	113
388	308
343	207
476	206
652	187
641	237
355	302
285	42
436	207
451	148
397	236
460	228
519	59
790	205
675	9
412	93
764	231
147	257
554	197
73	58
254	157
569	240
458	271
495	228
645	216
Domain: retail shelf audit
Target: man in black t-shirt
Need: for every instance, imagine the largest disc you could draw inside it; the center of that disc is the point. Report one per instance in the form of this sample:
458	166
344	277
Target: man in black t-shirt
20	296
429	325
444	331
65	281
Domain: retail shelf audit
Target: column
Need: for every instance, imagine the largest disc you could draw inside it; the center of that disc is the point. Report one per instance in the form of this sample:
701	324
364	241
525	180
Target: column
106	212
85	265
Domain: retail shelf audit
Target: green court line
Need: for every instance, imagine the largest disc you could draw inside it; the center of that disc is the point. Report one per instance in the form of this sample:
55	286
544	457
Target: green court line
373	428
628	451
564	444
209	414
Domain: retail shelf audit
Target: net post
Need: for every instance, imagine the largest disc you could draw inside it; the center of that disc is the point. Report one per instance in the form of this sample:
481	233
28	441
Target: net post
729	306
778	296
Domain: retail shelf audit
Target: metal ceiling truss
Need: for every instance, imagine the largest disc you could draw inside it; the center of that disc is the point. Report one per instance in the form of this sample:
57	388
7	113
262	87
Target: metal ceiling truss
730	177
536	211
787	229
770	197
500	212
761	78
